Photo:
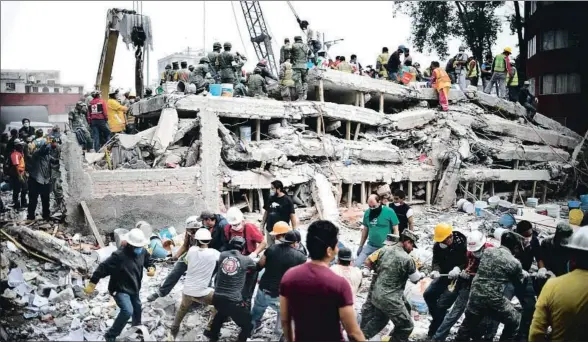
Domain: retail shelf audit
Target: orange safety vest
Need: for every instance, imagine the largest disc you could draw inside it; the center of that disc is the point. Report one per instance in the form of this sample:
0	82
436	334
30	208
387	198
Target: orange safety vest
441	78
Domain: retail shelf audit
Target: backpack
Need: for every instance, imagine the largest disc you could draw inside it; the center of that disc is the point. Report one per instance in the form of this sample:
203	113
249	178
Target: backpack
449	67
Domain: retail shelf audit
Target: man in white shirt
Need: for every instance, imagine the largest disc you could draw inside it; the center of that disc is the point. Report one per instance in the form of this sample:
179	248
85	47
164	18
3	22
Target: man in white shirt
344	269
201	262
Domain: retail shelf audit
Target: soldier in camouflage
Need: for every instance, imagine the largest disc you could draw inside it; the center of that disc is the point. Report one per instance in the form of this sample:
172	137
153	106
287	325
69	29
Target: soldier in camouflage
216	49
78	124
54	164
287	84
201	76
386	300
225	64
498	268
299	55
285	51
256	84
241	88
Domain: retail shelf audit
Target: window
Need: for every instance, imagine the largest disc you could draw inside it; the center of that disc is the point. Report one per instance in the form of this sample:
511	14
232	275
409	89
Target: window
67	90
574	84
532	7
10	86
45	89
560	84
548	40
51	82
559	39
35	89
532	47
532	86
547	85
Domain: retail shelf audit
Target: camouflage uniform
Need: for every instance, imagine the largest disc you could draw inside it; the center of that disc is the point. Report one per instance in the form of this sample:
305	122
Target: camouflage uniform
299	54
224	65
285	52
212	58
240	89
386	299
78	122
497	268
287	84
201	76
56	183
256	86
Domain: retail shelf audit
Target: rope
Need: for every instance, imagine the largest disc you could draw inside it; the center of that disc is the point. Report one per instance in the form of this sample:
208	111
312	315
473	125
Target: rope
238	28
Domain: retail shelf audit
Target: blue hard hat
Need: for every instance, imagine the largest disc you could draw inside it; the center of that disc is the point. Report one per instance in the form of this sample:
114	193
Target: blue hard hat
402	47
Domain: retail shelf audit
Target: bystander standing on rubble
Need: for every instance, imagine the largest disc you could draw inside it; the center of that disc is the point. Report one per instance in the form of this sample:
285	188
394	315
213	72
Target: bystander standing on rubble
473	71
175	70
26	130
449	259
442	83
202	261
214	71
393	64
166	75
233	269
55	157
40	178
285	50
78	123
314	297
335	62
276	260
344	66
419	74
17	174
512	82
403	211
125	268
239	63
381	63
500	68
117	121
563	303
392	266
287	84
460	64
343	268
486	71
299	55
241	88
256	86
215	223
407	56
355	65
378	221
97	117
528	100
279	207
555	258
498	268
313	40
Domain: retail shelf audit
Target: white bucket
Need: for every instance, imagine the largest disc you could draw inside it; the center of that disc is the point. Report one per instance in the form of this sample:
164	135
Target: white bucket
552	210
245	133
478	206
532	202
104	253
226	90
504	205
460	203
493	201
468	207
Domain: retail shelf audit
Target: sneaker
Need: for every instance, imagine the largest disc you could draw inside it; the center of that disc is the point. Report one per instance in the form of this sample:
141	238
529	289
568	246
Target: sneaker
153	296
257	327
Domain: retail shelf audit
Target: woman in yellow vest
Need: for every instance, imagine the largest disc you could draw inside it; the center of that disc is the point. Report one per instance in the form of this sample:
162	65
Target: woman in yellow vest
116	113
441	81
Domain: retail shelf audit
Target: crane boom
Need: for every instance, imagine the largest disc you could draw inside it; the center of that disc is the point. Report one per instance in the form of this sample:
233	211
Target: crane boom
262	41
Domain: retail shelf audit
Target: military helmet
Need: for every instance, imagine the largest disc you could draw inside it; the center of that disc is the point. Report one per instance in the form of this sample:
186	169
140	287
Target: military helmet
216	45
204	60
227	45
191	67
168	66
297	38
184	64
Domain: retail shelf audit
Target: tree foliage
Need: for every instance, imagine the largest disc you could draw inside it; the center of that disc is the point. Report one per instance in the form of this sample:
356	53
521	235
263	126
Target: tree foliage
475	23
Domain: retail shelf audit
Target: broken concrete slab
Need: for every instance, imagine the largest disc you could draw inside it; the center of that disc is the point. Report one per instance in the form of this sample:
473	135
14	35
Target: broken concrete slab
410	119
449	182
505	150
549	123
165	130
185	126
478	175
254	179
491	101
92	157
325	203
143	138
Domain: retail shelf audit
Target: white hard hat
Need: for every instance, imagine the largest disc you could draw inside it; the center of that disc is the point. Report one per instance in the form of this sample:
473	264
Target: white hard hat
498	233
193	222
476	241
203	235
234	216
136	238
579	240
462	48
145	227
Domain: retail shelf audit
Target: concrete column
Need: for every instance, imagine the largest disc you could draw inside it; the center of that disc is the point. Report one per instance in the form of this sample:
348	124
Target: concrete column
465	193
410	191
318	126
428	193
321	90
362	105
534	188
363	193
251	201
544	196
381	103
350	196
257	130
492	189
211	154
348	130
516	188
481	190
304	123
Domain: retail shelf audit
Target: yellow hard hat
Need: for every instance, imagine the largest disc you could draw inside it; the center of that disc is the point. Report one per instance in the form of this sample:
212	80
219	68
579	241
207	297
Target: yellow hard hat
576	216
508	49
442	232
280	228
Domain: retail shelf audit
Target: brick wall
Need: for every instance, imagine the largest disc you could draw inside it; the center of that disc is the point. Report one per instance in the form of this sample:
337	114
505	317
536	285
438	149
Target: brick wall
144	182
55	103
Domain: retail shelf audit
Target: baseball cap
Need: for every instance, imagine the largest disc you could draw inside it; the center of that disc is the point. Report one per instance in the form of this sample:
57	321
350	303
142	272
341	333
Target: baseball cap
407	234
344	254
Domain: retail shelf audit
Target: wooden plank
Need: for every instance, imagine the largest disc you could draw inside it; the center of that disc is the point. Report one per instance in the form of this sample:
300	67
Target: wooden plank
492	193
516	188
318	125
465	192
534	188
357	129
481	190
251	199
92	224
544	196
260	199
428	193
362	100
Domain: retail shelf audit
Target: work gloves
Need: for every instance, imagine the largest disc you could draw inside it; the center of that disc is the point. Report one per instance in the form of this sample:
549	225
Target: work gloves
151	271
434	275
359	250
89	288
454	273
542	273
525	274
464	275
253	256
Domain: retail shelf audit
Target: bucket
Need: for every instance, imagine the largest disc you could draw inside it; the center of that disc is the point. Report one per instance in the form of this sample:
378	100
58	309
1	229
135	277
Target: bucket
214	89
468	207
574	204
576	216
532	202
460	203
493	201
226	90
156	248
168	233
414	294
245	133
504	205
552	210
507	221
478	206
541	209
584	199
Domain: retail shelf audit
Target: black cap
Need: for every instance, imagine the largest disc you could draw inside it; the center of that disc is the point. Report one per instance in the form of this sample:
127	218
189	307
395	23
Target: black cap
344	254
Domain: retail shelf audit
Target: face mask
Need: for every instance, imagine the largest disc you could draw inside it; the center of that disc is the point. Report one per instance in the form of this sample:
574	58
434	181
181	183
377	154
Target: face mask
138	250
397	204
26	124
443	246
527	241
272	192
279	242
375	207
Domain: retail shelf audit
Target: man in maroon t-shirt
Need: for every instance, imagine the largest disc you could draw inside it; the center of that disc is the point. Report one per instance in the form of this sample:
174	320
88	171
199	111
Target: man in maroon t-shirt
313	297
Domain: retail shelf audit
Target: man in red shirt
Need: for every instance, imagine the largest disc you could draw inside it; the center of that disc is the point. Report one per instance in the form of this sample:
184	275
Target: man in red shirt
17	174
314	297
98	120
238	227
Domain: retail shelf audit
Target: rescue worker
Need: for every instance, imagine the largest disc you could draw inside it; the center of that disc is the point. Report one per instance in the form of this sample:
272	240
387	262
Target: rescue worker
214	71
285	50
299	55
313	41
419	74
215	223
343	66
393	64
477	243
322	62
201	76
407	56
528	100
56	182
563	303
40	177
473	71
343	268
130	98
512	82
409	73
486	71
450	69
180	267
78	123
427	73
460	66
125	268
449	257
239	63
276	260
26	130
166	76
378	221
256	84
175	70
201	261
441	82
148	93
225	64
500	68
287	85
11	143
18	177
241	88
554	257
278	207
227	299
497	268
265	71
387	302
116	113
190	68
403	211
381	63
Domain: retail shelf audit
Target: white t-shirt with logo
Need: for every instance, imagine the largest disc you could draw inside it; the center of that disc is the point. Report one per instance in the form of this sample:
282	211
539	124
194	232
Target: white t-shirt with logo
201	263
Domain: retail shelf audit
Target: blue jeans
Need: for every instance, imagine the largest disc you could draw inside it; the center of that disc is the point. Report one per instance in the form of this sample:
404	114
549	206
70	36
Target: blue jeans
365	252
99	128
130	306
262	301
438	300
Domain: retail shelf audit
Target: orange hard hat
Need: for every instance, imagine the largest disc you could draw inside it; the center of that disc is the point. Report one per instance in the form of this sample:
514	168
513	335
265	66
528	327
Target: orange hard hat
442	232
280	228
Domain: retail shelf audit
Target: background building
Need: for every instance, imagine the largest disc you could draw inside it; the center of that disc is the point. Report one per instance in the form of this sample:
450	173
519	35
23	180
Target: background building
556	34
190	55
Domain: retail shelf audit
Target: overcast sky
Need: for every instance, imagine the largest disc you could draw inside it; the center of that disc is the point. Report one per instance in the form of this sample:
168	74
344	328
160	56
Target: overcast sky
68	35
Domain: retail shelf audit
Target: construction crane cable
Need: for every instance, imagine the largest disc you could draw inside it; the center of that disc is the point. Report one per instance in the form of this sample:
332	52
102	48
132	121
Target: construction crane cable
238	28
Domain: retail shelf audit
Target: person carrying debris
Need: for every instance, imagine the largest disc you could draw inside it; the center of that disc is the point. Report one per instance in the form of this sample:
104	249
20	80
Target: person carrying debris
279	207
314	297
403	211
228	298
299	54
381	63
441	82
216	50
241	88
528	100
378	221
500	68
78	123
18	176
125	268
344	269
497	269
555	257
215	223
184	73
201	76
393	64
40	176
449	257
256	84
476	245
201	261
287	84
285	50
386	302
276	260
225	64
563	303
116	113
460	63
344	66
192	224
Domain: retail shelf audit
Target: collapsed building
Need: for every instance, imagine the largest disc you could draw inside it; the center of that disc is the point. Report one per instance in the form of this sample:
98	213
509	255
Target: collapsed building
354	134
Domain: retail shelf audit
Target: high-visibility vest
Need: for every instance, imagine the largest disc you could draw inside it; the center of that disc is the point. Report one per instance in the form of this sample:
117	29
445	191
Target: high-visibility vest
473	71
500	63
442	80
515	78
